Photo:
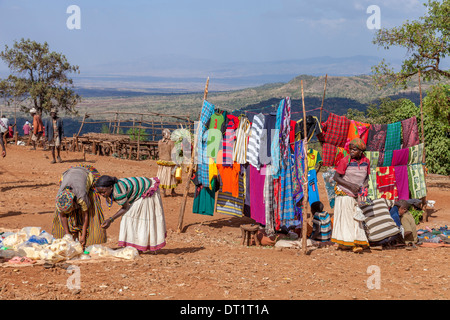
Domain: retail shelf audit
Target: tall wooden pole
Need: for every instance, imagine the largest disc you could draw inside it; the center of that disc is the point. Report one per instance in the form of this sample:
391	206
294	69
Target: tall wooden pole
421	116
323	98
305	186
191	168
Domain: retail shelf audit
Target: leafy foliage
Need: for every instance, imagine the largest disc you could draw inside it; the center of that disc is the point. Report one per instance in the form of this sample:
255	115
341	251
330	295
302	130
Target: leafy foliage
426	41
40	75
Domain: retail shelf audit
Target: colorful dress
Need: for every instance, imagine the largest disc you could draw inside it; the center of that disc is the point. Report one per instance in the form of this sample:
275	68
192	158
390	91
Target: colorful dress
80	179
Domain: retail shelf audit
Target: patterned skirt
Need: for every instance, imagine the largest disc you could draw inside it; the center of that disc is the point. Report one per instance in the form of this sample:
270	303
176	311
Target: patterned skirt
166	174
95	233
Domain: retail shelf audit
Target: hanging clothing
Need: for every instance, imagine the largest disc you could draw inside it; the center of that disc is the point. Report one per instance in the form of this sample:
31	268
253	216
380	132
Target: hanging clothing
313	189
340	154
416	177
269	201
240	147
321	227
357	130
215	130
204	199
230	205
401	181
416	154
393	141
313	158
229	140
334	134
400	157
275	146
254	141
328	178
202	139
257	207
386	183
410	132
287	212
372	190
313	127
373	157
266	138
230	178
376	137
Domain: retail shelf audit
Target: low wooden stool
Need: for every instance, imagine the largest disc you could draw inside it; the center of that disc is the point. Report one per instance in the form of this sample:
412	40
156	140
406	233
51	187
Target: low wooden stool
248	233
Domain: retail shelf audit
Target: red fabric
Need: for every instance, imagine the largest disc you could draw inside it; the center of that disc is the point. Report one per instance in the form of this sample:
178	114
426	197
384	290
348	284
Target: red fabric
334	134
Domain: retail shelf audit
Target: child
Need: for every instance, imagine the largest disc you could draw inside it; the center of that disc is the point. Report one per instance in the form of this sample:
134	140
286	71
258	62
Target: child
321	223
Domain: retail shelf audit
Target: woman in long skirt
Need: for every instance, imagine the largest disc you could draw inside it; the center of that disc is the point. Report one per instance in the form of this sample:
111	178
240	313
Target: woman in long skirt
78	207
352	175
143	224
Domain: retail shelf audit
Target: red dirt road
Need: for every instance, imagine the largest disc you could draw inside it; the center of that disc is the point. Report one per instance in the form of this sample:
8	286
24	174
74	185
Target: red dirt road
207	261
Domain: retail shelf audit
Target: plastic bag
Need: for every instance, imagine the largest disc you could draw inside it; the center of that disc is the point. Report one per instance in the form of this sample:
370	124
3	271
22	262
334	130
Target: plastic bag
99	250
31	231
129	253
14	240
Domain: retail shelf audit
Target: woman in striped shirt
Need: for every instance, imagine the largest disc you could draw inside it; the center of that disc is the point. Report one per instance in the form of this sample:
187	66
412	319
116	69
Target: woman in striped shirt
143	224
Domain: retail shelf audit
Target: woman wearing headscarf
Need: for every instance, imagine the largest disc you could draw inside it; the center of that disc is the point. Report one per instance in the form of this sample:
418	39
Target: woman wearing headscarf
352	176
143	224
78	207
166	165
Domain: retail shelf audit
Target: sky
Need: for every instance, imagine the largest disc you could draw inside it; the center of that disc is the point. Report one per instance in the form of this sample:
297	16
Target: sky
224	31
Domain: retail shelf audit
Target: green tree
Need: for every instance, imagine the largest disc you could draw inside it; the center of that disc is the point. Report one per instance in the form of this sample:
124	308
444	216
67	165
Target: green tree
43	74
426	41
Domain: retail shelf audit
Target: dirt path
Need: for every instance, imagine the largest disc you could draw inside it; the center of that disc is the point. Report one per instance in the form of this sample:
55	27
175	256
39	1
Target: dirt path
207	261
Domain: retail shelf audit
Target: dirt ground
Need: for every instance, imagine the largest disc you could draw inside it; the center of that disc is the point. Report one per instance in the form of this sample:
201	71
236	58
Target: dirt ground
207	260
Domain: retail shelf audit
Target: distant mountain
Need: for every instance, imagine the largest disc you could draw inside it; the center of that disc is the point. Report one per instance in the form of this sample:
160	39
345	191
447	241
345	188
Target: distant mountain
183	74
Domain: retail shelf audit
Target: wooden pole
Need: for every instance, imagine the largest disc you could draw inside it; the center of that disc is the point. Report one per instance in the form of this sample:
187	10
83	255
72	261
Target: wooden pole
305	186
191	168
424	199
323	99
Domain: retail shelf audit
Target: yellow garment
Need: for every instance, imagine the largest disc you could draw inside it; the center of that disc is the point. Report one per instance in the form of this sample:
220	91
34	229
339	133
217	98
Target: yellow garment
213	172
313	156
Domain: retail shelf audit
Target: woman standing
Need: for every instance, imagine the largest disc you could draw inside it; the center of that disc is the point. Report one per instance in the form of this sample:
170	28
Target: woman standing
166	165
78	207
352	176
143	224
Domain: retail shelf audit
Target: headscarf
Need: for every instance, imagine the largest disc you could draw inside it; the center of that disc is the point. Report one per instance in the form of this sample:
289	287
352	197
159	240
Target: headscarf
359	143
166	134
105	181
64	200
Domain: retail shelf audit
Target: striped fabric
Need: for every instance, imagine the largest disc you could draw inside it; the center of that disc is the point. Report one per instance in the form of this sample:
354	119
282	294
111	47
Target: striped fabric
255	141
229	140
322	224
275	146
379	223
130	189
269	201
287	212
285	130
229	205
240	147
202	139
393	141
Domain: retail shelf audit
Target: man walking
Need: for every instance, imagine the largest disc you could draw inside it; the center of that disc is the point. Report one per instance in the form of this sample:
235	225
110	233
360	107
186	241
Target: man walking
54	133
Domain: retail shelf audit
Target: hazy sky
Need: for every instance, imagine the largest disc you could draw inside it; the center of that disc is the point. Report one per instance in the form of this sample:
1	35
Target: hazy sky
224	31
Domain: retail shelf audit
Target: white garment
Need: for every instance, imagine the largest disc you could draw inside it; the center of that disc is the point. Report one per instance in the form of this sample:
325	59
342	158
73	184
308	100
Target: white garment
240	147
143	226
4	125
346	230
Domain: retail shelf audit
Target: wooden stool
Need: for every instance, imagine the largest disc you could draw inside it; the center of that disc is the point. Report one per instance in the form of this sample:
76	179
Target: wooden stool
249	233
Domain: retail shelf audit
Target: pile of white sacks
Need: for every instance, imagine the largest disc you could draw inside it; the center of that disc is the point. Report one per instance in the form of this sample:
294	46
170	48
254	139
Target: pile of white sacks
35	244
